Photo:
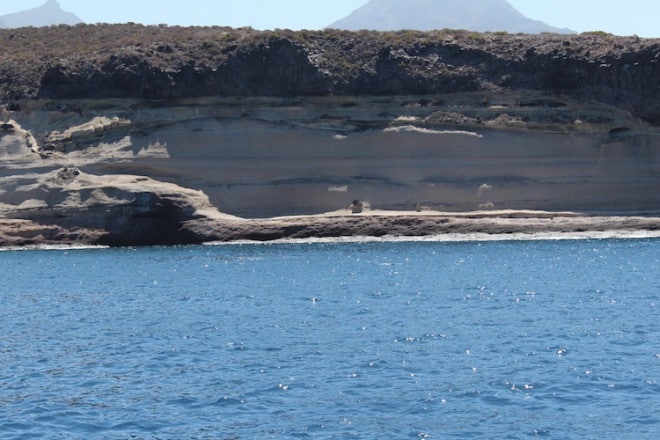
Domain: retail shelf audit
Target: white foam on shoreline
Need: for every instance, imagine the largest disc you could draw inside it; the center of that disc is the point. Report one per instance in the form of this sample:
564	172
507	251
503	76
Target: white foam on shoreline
51	247
457	238
413	129
440	238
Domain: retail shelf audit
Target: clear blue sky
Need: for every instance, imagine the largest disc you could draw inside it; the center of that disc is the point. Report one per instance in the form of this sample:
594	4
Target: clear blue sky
622	17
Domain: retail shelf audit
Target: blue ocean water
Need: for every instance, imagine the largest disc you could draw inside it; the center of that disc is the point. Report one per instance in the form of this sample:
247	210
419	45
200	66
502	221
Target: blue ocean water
508	339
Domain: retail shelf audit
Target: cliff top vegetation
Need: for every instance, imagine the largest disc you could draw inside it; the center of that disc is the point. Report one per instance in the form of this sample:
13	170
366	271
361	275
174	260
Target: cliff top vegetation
133	60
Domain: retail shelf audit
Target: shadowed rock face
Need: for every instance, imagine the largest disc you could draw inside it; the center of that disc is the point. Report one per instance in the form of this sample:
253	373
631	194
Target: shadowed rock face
280	68
425	15
620	71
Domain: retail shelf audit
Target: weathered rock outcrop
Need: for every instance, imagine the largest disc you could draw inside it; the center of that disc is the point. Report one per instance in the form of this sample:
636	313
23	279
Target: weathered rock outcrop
99	129
379	224
123	210
15	142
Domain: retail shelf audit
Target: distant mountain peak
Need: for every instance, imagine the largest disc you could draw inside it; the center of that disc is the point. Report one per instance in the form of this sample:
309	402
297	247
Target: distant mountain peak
425	15
50	13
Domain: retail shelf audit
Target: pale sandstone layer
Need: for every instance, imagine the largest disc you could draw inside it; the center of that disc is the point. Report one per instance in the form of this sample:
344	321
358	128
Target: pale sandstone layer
270	157
152	172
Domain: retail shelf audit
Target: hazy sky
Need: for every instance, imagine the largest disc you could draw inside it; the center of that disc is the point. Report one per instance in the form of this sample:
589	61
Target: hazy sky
622	17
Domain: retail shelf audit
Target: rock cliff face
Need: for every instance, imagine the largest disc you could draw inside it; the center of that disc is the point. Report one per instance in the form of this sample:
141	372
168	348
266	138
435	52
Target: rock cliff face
262	157
144	143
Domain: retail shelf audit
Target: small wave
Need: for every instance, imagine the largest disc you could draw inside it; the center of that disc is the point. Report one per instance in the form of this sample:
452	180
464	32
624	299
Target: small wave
451	238
228	401
413	129
51	247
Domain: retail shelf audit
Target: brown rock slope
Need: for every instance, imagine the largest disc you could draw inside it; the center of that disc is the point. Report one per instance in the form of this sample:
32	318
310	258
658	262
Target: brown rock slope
134	61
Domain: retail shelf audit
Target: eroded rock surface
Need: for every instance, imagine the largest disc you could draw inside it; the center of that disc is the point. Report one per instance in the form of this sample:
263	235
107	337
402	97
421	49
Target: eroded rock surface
124	210
16	142
264	157
100	129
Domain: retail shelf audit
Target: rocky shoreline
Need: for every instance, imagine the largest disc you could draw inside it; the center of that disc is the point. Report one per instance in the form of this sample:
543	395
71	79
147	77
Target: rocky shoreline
408	224
340	225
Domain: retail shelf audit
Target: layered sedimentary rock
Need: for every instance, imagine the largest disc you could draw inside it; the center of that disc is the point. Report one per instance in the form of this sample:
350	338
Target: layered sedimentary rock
134	61
305	123
263	157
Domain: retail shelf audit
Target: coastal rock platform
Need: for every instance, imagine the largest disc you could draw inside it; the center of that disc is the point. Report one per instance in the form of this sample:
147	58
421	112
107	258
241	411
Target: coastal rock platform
342	225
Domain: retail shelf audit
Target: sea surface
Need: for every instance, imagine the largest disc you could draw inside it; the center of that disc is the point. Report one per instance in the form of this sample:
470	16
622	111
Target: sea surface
380	340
